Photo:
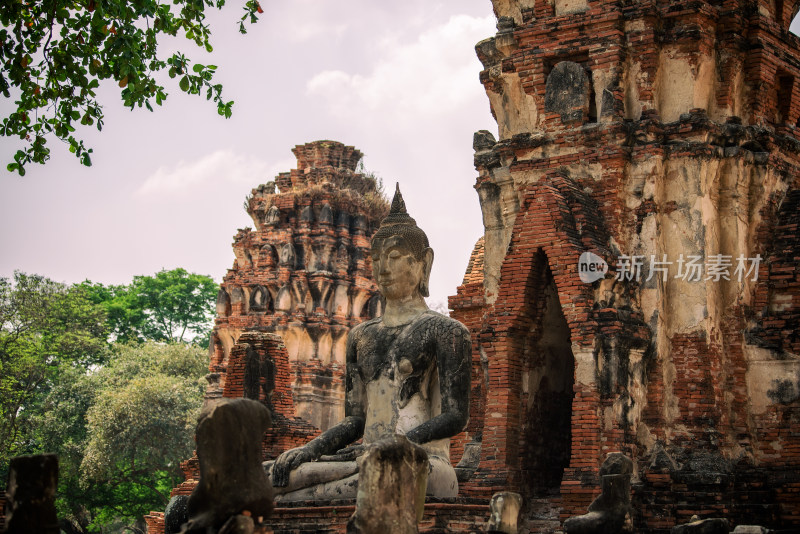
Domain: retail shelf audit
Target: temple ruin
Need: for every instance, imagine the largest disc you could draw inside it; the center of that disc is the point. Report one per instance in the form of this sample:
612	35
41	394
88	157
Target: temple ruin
303	272
659	140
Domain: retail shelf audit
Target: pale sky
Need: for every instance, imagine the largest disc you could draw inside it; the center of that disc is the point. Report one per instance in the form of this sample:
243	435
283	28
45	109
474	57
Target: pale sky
397	80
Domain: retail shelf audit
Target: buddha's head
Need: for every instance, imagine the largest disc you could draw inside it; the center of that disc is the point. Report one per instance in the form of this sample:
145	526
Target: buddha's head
401	256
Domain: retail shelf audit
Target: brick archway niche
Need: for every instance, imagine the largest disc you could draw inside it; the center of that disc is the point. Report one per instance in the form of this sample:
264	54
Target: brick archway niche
539	346
546	389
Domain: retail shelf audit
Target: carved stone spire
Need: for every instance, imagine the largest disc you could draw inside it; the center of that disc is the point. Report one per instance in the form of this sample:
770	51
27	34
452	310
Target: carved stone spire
398	213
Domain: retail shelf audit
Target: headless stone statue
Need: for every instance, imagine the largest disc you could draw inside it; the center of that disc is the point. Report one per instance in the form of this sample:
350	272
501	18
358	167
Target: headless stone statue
408	373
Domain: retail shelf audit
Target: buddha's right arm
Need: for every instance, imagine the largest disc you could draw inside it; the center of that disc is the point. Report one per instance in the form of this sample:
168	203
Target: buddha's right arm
337	437
329	442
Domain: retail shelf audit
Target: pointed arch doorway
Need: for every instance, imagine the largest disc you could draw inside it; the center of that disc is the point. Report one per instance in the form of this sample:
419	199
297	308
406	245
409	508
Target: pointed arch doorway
548	367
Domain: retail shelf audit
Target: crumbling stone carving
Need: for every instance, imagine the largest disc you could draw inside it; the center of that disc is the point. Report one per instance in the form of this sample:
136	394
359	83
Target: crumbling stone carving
231	479
287	254
273	215
505	512
714	525
393	474
408	372
31	494
610	512
223	303
326	214
470	459
567	92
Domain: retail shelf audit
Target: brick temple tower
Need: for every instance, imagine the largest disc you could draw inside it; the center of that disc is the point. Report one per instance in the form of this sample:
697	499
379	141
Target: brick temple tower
662	137
304	273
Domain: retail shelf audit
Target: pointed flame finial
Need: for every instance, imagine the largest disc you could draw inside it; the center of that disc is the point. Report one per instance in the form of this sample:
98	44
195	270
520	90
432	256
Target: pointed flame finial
398	204
398	213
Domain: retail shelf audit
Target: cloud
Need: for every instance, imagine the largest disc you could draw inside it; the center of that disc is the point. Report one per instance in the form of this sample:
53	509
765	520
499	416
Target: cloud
218	168
434	75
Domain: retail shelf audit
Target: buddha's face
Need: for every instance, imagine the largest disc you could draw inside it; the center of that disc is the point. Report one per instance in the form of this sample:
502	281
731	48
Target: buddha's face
395	268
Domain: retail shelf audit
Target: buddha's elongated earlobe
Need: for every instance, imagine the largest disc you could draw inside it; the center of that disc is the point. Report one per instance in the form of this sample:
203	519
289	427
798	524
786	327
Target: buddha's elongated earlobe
426	273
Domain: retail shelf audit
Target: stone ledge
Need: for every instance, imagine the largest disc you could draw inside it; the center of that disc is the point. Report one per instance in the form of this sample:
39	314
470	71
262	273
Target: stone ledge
460	514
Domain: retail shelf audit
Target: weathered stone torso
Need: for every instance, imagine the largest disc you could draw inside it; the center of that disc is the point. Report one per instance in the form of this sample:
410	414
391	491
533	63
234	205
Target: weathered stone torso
398	364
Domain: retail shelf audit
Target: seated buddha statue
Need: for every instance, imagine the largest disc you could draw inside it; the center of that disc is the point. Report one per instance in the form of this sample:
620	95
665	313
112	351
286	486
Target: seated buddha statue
408	373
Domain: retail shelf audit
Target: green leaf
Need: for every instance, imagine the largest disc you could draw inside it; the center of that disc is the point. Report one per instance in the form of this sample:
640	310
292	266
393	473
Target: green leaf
89	41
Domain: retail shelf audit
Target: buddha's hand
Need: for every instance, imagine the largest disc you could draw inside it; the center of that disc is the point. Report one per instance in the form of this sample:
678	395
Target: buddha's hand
353	450
288	461
343	455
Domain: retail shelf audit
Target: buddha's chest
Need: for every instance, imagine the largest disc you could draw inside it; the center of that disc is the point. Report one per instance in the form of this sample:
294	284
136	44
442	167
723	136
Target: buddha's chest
393	353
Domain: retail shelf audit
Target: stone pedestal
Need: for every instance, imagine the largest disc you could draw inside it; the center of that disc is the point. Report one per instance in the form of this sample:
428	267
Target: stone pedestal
393	475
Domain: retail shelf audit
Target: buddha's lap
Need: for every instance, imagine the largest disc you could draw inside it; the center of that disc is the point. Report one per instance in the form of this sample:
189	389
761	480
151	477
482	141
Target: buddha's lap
442	481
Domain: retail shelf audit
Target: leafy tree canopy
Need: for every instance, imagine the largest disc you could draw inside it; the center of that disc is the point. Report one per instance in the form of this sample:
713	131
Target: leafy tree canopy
45	327
121	432
119	416
141	424
55	53
172	305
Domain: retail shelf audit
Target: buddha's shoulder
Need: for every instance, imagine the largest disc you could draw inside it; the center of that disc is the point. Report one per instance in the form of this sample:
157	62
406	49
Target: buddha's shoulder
429	320
360	328
440	324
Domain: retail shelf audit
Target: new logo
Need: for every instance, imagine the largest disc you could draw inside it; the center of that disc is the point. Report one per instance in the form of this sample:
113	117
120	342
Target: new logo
591	267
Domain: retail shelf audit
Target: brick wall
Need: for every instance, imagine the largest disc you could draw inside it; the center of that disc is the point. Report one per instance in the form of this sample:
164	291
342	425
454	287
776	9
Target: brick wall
467	307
